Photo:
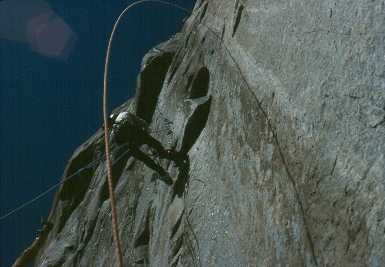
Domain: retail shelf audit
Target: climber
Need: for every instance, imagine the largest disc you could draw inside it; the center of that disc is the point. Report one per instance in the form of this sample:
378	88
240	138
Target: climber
130	128
133	131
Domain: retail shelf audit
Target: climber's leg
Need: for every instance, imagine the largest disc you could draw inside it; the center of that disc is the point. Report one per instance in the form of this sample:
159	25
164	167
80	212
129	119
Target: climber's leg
151	164
178	157
153	143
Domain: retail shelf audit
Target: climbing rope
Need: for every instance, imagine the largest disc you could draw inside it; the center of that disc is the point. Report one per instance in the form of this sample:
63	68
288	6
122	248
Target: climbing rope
114	217
106	131
51	188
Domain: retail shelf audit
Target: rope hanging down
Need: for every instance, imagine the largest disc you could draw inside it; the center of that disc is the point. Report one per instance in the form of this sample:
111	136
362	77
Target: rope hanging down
259	105
114	219
106	130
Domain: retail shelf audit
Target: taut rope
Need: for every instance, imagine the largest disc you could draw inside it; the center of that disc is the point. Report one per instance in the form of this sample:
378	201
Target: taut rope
106	130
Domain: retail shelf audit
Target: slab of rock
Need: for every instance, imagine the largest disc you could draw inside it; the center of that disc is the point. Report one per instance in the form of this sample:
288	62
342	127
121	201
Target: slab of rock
280	108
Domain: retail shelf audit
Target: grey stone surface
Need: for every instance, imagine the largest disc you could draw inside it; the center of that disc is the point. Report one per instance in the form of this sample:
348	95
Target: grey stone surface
286	157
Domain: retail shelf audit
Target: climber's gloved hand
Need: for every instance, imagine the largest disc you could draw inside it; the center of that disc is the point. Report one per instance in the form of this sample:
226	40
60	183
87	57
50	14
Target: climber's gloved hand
170	154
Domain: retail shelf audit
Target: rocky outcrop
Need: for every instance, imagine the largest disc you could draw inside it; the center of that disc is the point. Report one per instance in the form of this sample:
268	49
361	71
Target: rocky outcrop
280	107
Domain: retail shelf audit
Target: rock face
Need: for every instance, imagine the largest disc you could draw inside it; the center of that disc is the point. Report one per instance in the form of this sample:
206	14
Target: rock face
280	106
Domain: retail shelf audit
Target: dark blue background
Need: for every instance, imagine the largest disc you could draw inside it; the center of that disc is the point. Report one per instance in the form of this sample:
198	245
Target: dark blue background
48	107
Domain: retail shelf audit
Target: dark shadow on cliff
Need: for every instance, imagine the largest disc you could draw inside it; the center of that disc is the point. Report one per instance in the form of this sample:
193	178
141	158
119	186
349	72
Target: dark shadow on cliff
73	190
200	84
150	84
195	125
238	19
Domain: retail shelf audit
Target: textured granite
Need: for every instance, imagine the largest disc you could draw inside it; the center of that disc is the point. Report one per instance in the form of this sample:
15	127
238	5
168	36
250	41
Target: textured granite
280	106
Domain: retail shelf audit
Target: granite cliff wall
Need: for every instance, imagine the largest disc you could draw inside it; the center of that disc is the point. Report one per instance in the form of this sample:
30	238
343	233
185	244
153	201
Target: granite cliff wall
280	106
